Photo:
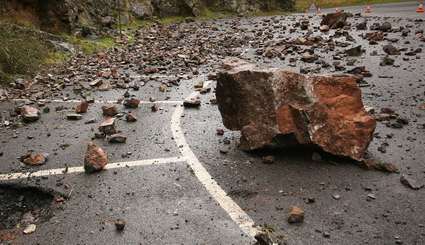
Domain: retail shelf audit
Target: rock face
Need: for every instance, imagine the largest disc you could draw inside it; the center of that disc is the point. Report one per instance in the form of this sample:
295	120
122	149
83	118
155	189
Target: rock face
275	108
68	15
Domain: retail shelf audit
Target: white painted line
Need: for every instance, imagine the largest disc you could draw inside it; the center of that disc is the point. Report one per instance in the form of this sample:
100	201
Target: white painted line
239	216
72	170
99	101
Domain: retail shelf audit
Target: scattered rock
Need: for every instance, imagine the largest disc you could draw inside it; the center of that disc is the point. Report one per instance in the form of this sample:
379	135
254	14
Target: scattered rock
34	159
335	20
95	159
120	224
356	51
361	26
132	103
385	27
109	110
296	215
268	159
82	107
74	116
108	126
309	58
130	117
117	138
380	166
386	61
391	50
324	28
30	114
193	100
410	183
30	229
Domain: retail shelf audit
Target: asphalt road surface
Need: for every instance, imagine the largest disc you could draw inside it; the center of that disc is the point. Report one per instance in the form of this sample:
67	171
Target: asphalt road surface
176	181
402	9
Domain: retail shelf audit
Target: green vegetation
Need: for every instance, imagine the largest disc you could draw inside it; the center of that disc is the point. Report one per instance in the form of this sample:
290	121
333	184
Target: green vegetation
302	5
21	52
89	46
25	50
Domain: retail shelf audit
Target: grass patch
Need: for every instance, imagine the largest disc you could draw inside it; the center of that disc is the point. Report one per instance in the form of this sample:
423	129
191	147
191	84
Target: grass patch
89	46
302	5
22	52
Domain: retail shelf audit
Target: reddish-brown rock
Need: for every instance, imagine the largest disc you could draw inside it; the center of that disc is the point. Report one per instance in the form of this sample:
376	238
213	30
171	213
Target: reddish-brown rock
131	103
335	20
95	159
34	159
82	107
296	215
274	107
109	110
29	113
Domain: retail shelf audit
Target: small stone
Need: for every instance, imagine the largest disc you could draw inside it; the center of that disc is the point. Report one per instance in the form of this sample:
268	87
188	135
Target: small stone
361	26
268	160
95	158
336	196
163	88
30	229
132	103
371	196
309	58
220	131
356	51
324	28
199	84
193	100
82	107
326	234
120	224
391	50
410	183
30	114
154	108
117	138
380	166
109	110
90	121
130	117
108	126
296	215
34	159
387	61
74	116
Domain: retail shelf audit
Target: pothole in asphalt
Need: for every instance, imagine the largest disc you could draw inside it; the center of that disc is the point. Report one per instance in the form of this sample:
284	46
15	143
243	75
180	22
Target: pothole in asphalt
23	205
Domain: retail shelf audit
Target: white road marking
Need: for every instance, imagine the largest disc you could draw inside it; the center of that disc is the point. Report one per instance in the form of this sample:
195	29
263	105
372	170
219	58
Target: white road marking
99	101
235	212
71	170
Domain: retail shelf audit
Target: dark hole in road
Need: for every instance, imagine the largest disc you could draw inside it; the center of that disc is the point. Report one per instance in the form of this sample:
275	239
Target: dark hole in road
19	201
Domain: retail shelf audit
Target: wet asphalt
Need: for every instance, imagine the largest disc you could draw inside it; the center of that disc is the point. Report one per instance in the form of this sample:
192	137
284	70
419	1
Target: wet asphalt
166	204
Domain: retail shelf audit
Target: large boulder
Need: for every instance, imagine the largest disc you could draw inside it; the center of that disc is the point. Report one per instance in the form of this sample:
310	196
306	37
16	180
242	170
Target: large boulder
275	107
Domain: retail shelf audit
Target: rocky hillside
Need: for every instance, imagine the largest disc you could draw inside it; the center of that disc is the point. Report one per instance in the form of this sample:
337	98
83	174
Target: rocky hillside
68	15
